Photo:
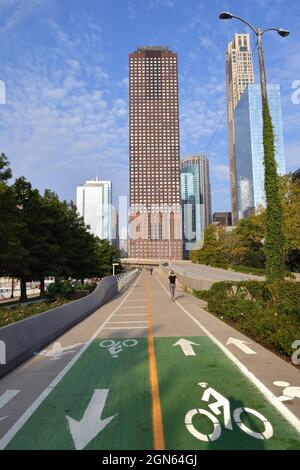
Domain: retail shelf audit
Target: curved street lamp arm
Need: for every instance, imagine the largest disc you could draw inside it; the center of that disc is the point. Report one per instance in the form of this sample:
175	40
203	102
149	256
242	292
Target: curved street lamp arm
246	22
270	29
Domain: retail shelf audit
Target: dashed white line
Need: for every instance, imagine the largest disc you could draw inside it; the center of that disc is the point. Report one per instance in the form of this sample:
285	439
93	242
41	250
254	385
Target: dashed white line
4	441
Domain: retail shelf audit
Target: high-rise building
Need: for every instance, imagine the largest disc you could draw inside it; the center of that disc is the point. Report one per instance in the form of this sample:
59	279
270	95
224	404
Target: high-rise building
94	205
155	209
249	146
114	227
196	201
222	218
239	74
123	244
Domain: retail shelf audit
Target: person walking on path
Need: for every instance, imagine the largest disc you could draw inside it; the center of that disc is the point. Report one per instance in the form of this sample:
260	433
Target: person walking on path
172	285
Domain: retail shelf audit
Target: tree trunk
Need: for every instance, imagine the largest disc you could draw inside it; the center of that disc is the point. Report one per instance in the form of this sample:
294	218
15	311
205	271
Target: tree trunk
42	286
23	289
12	287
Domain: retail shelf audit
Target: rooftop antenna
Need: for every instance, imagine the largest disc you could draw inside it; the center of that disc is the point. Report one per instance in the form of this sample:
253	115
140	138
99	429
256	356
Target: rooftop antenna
97	177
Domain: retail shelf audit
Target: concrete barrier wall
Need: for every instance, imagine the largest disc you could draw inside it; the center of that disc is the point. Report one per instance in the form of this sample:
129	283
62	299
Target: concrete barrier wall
23	338
189	281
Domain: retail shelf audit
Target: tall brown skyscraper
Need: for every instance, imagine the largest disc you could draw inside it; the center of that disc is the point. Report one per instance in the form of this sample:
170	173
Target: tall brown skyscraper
239	74
155	209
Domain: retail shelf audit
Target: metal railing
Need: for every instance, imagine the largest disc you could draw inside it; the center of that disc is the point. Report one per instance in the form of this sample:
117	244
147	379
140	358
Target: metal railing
124	278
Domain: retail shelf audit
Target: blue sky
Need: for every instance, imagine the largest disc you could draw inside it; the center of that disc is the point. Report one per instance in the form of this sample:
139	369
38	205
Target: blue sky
65	66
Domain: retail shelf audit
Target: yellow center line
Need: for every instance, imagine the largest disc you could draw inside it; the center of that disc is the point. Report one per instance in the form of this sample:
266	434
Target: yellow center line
158	432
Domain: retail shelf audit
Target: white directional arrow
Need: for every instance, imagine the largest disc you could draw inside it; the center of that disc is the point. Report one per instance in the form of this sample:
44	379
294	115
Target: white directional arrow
57	350
186	346
5	398
241	344
85	430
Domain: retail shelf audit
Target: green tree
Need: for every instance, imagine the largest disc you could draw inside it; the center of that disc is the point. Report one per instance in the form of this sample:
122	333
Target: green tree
29	211
290	197
251	234
106	254
211	252
11	252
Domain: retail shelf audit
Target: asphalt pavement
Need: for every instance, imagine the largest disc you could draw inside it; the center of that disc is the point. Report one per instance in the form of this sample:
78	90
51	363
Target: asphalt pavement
144	372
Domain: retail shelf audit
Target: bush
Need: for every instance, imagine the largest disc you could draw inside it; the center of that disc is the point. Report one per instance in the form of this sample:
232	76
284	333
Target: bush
20	312
60	289
268	314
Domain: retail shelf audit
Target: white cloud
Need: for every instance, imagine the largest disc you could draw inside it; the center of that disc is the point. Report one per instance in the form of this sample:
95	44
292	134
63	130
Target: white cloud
13	12
131	11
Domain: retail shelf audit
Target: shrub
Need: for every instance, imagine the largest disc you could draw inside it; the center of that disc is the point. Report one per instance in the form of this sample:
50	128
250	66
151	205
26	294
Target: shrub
269	314
60	289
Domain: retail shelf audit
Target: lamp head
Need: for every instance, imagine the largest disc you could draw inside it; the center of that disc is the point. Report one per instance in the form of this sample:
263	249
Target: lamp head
225	15
283	32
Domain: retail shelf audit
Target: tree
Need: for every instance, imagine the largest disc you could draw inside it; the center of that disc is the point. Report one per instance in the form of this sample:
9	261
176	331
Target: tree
251	234
290	197
106	254
11	251
210	253
30	213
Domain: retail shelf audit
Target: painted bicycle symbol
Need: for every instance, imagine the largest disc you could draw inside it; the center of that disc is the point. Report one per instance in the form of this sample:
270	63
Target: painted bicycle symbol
115	347
222	405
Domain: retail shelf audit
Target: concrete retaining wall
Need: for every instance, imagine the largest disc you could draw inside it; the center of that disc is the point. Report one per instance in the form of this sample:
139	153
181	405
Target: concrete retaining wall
27	336
188	281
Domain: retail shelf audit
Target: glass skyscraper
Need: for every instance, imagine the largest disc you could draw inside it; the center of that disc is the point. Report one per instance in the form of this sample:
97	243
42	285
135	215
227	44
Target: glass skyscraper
196	201
249	146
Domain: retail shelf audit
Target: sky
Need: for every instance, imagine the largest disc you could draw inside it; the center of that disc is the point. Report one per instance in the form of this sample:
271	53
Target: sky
64	64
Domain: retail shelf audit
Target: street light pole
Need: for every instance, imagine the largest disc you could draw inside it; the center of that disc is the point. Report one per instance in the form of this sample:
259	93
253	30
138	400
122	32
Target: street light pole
262	70
274	240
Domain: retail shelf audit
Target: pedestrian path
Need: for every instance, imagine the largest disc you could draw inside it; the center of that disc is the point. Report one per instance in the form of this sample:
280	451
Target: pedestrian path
147	373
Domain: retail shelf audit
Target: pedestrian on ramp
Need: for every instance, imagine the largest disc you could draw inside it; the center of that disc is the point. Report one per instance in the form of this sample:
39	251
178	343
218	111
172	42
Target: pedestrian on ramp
172	285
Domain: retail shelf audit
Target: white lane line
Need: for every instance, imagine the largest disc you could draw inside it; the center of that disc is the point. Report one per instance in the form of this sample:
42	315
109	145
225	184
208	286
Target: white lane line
125	322
137	300
283	410
7	396
131	315
125	327
140	306
5	440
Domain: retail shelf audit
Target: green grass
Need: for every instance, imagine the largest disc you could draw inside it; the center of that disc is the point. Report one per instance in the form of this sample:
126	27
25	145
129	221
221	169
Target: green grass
270	316
20	312
247	270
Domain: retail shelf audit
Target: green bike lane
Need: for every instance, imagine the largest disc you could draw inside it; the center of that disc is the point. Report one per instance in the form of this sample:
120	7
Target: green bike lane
105	400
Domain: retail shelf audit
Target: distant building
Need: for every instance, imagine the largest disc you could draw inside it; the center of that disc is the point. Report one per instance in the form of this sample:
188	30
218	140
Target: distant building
196	201
155	209
94	205
249	153
239	74
123	242
114	227
222	218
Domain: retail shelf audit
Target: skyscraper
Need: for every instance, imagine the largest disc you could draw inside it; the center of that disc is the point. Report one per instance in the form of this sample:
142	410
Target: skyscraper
249	146
114	227
155	210
196	201
239	74
94	205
